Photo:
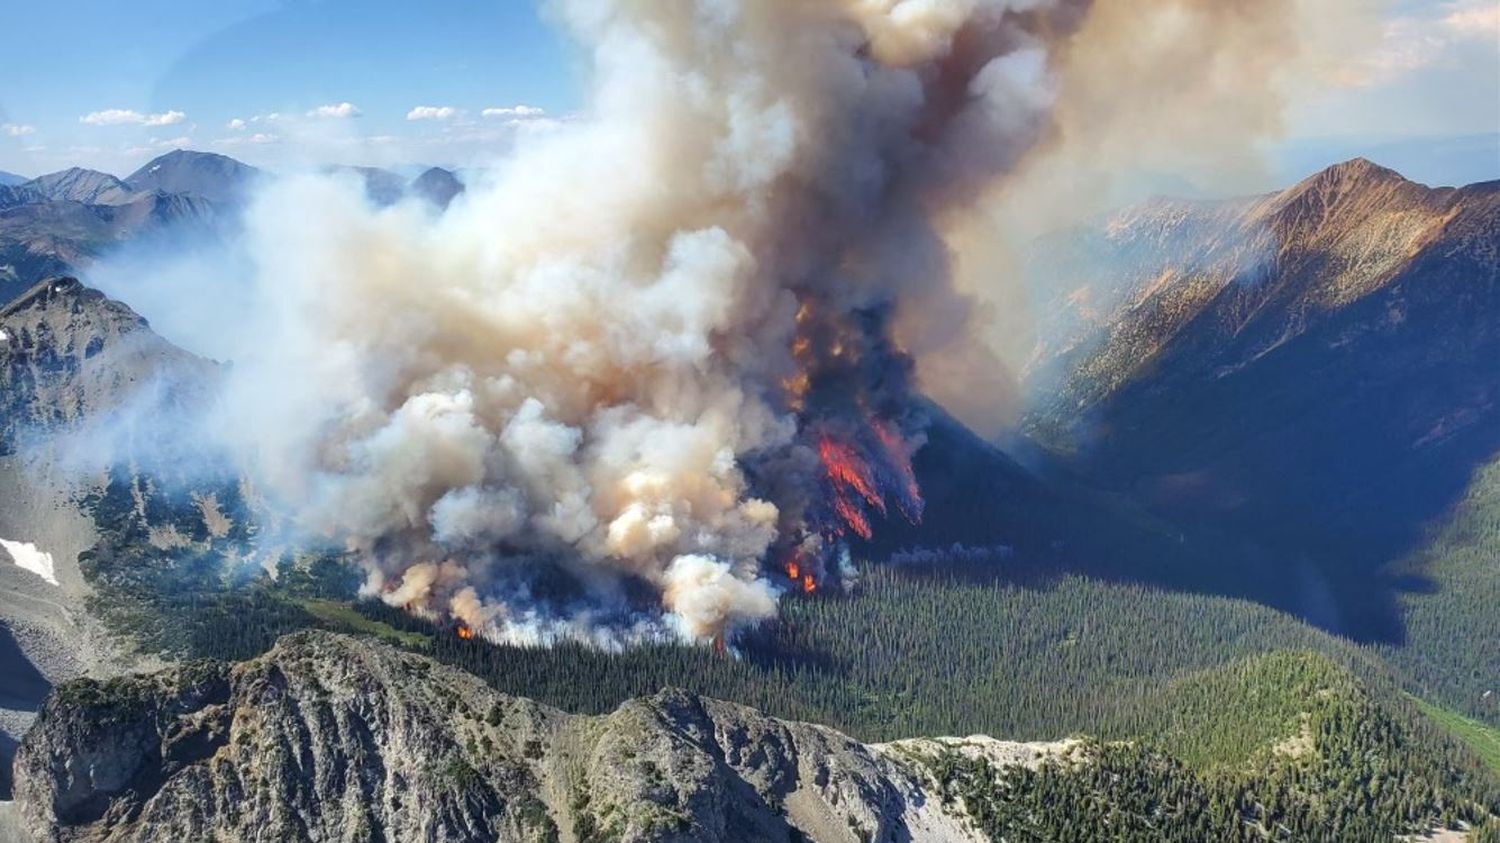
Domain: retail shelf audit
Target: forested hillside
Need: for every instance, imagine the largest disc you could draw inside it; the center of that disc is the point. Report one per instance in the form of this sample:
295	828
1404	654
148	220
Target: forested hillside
1451	651
1310	373
1353	769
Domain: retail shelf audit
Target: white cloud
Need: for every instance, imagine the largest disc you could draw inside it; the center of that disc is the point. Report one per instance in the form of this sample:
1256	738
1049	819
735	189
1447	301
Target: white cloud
1412	42
433	112
339	110
16	130
112	117
126	116
1471	20
258	139
515	112
156	145
236	124
167	118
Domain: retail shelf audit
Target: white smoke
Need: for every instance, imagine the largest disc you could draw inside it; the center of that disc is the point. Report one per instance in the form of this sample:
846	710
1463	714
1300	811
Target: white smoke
575	363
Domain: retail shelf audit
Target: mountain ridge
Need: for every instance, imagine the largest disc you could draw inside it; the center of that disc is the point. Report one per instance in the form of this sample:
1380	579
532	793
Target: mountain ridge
76	184
211	176
671	767
1310	372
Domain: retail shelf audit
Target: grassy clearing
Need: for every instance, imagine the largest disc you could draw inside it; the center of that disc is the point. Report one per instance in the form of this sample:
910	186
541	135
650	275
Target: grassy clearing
341	616
1480	737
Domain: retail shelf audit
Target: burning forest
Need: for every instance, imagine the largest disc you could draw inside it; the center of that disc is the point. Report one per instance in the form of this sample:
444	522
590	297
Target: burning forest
659	366
657	371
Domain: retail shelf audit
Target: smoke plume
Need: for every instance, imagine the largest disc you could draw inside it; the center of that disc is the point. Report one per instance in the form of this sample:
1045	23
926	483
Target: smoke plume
1151	97
665	355
658	368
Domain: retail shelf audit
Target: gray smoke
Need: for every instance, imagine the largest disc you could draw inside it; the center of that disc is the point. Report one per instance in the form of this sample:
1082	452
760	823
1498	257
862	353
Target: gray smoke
620	356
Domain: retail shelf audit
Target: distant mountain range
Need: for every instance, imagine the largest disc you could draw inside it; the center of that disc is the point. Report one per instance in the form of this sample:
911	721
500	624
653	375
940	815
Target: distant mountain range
58	223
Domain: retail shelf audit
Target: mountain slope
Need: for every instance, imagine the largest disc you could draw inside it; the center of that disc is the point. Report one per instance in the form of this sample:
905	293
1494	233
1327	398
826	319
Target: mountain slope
328	736
11	179
68	354
437	185
217	178
59	223
70	360
76	184
1452	648
43	238
1312	373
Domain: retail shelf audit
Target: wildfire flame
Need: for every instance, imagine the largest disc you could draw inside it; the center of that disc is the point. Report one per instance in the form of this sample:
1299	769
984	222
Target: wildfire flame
464	632
851	484
842	389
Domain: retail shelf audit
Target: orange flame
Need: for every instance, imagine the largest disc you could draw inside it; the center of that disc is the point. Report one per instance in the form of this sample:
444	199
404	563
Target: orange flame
464	632
850	478
809	585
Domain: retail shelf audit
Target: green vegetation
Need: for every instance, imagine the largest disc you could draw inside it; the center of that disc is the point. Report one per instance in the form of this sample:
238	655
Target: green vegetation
1234	713
945	655
342	617
1452	649
1480	737
169	583
1363	772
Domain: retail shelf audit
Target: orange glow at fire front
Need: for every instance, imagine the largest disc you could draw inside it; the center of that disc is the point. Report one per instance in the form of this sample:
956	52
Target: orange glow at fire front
851	483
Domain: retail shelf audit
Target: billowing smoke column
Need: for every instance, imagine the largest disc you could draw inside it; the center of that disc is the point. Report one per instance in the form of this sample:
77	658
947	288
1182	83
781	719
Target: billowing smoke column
655	361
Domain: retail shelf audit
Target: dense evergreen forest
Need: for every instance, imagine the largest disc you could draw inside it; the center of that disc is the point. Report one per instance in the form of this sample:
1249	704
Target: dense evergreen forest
1450	653
1203	688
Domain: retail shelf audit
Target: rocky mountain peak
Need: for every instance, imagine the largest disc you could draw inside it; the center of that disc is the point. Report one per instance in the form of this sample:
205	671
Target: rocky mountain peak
1328	204
77	184
68	351
205	174
437	185
317	740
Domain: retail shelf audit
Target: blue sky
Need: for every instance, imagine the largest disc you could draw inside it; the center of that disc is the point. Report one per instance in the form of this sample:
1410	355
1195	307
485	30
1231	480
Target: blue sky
109	84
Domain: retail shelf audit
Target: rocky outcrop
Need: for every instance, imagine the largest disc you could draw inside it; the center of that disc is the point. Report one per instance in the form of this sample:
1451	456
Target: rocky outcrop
328	737
70	359
68	353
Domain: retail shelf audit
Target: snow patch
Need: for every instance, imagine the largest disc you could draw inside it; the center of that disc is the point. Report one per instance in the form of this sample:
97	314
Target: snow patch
27	556
4	337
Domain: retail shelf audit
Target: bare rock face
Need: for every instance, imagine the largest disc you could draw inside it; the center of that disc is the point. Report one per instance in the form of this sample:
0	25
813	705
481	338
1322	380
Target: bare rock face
69	357
329	737
67	353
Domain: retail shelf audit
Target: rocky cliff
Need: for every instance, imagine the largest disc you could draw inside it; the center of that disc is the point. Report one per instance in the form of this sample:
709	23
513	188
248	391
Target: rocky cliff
328	737
67	353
